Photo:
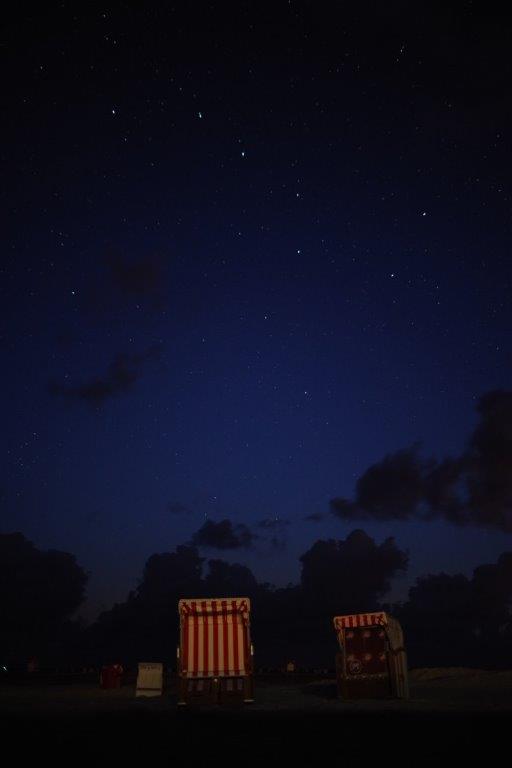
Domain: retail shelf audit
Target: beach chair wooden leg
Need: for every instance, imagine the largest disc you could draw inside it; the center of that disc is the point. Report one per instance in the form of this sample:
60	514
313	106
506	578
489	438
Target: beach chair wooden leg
248	690
340	680
183	692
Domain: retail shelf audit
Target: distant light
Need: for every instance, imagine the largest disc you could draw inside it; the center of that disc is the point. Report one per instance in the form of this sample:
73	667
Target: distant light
243	153
424	213
200	115
113	111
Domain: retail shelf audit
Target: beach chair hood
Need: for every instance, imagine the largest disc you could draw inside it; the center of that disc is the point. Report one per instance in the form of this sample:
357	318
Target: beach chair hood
215	637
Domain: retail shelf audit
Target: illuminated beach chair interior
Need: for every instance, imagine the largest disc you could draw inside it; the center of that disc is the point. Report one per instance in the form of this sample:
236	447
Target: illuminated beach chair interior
215	651
372	662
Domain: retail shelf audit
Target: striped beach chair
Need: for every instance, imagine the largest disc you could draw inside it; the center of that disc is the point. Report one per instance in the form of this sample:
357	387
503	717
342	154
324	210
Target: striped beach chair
372	662
215	655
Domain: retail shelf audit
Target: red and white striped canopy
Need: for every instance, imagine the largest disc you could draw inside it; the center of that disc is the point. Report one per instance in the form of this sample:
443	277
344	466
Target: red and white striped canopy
214	640
360	620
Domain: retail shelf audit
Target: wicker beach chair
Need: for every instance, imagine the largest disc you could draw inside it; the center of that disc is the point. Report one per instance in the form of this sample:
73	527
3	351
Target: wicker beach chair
372	662
215	655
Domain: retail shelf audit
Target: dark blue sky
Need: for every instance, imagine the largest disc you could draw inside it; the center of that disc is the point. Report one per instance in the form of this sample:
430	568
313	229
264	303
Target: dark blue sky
246	254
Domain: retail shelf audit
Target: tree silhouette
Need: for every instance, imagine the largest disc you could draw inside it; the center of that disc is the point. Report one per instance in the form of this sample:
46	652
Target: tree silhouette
455	620
39	593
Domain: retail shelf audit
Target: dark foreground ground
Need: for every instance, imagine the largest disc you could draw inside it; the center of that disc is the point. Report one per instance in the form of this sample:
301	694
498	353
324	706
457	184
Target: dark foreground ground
459	714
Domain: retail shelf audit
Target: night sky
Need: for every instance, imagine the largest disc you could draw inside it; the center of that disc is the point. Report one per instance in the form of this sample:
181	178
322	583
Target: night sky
247	251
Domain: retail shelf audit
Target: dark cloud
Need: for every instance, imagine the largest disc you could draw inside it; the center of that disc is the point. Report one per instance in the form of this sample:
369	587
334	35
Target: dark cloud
177	508
391	488
274	529
345	509
223	535
314	517
443	490
120	377
474	488
123	284
142	279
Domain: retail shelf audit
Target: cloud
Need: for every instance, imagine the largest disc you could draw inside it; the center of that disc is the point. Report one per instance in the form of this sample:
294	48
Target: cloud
121	376
142	278
474	488
223	535
314	517
443	490
388	490
120	284
275	532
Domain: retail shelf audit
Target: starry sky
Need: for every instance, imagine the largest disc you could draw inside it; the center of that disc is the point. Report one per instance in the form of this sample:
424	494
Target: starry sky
247	251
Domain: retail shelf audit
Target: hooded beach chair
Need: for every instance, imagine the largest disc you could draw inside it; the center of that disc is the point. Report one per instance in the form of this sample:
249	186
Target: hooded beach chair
372	662
215	655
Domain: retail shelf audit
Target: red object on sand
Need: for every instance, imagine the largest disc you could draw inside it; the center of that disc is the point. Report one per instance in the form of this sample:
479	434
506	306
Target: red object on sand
110	676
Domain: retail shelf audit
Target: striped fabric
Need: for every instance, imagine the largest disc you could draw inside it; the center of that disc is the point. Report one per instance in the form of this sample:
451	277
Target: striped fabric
214	637
359	620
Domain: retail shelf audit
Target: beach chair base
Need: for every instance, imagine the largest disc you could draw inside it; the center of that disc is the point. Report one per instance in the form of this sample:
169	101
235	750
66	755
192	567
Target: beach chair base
219	690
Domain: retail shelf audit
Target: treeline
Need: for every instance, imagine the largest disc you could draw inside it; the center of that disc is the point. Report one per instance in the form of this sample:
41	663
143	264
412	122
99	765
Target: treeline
448	620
